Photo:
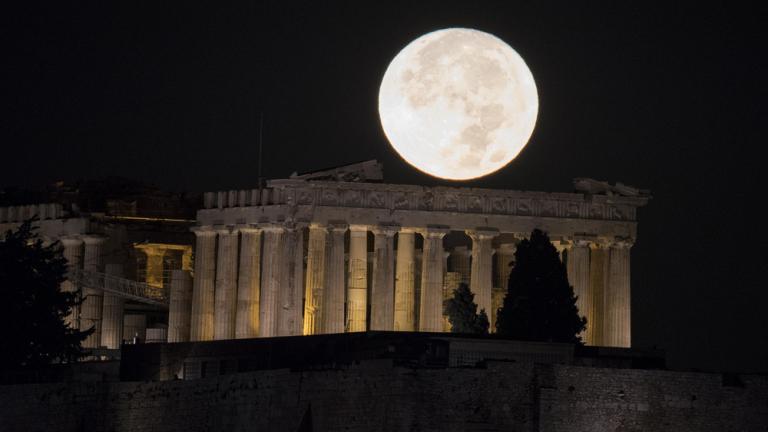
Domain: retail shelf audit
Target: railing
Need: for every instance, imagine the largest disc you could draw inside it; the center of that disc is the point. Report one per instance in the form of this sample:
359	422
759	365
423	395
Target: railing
129	289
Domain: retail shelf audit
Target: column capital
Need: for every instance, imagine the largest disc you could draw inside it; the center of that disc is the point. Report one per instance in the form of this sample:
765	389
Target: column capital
386	230
337	226
94	239
359	229
317	226
71	241
248	228
507	248
622	242
203	231
434	231
482	233
272	227
580	243
225	229
409	230
599	243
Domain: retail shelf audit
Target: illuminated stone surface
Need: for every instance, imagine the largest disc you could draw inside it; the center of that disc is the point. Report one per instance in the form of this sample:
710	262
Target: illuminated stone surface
201	328
431	306
357	284
583	227
405	281
481	275
112	311
225	291
248	284
271	278
91	308
313	302
333	296
383	289
180	307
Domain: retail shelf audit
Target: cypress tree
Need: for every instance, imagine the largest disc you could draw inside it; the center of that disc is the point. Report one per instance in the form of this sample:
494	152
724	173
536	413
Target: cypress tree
540	304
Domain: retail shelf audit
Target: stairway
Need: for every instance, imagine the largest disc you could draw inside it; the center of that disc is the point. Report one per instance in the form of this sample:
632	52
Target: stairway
126	288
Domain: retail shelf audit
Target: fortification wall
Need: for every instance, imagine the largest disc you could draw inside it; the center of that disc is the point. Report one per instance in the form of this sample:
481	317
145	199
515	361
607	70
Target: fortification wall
375	396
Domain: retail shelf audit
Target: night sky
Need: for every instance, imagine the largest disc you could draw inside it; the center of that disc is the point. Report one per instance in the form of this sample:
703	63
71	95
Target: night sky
670	98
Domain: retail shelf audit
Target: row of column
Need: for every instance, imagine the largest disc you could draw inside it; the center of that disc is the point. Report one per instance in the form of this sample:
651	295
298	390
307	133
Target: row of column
600	275
263	292
249	281
99	310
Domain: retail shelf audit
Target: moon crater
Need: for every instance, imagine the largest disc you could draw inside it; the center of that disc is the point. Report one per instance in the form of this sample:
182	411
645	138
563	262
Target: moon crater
458	103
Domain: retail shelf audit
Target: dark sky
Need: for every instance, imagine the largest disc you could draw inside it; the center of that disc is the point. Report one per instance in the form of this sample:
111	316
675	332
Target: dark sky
669	98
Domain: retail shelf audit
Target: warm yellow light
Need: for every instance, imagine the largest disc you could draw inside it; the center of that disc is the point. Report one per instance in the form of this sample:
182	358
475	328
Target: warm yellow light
458	103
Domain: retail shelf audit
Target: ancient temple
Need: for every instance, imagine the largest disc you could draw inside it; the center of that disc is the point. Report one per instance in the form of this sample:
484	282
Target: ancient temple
340	251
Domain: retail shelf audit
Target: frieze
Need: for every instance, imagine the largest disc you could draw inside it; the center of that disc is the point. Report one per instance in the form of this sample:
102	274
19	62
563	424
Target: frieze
376	200
353	198
459	200
330	197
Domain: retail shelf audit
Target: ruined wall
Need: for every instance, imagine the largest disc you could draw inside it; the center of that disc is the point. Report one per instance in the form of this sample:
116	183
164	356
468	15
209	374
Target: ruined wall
377	397
592	399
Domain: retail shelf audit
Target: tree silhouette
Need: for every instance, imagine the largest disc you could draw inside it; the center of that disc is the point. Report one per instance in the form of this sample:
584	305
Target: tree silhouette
462	312
540	304
35	332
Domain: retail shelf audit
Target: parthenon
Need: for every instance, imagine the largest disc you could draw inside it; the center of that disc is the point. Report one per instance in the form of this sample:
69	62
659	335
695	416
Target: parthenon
312	254
335	251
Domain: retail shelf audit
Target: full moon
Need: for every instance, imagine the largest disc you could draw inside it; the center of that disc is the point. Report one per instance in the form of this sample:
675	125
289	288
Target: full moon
458	103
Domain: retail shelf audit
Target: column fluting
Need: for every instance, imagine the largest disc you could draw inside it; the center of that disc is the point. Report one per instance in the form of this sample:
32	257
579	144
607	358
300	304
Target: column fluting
91	308
405	289
578	275
112	309
271	278
201	328
383	289
225	292
357	284
179	310
481	277
73	253
431	307
315	284
617	303
248	284
333	298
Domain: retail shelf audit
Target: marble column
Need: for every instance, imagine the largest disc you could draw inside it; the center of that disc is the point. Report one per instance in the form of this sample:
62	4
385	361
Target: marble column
357	284
333	298
112	310
201	328
578	275
73	253
248	284
505	257
292	289
91	308
560	247
617	315
459	262
383	289
271	277
431	305
405	288
225	292
316	257
598	279
180	307
481	277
